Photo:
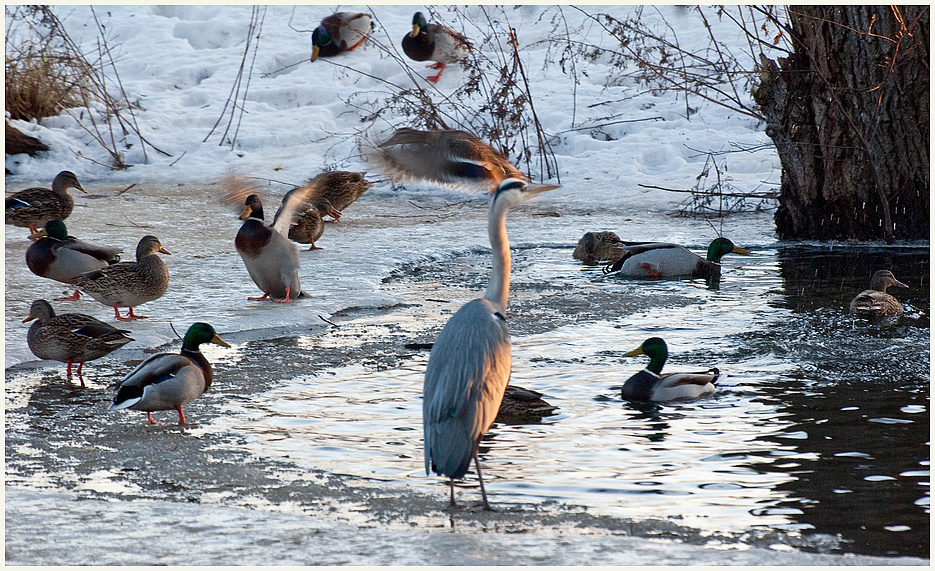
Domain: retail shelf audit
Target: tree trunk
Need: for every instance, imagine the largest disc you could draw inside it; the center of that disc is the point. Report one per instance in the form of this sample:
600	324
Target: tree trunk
849	114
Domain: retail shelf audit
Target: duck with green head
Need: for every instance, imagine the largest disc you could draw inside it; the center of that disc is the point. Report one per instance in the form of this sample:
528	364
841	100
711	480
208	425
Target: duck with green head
662	260
169	381
57	256
33	207
434	42
71	337
341	32
651	384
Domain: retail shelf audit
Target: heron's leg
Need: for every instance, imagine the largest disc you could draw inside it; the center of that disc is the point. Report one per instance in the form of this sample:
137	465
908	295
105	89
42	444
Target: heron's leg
451	484
481	480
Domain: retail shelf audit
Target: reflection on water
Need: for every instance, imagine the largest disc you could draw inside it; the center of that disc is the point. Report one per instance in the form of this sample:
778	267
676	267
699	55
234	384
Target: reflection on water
820	423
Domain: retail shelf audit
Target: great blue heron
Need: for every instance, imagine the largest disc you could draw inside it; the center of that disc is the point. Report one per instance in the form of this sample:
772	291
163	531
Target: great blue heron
875	302
469	366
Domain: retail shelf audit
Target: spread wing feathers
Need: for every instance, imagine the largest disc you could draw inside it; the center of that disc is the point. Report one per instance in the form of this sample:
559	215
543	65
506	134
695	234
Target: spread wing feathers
294	205
468	370
235	188
442	156
157	369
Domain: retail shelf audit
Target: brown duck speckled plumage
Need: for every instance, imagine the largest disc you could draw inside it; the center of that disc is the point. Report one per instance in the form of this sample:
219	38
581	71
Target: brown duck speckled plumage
33	207
71	337
129	284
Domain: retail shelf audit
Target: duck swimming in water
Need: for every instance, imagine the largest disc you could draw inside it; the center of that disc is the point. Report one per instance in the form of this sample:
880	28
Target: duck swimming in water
651	384
662	260
875	302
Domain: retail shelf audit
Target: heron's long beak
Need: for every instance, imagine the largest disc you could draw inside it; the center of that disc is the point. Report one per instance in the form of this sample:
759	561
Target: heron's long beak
540	188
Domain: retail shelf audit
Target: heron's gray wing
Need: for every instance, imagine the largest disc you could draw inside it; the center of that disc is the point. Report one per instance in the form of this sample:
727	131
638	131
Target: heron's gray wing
468	370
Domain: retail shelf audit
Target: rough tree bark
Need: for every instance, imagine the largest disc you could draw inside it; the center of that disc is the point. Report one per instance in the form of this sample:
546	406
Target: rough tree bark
849	114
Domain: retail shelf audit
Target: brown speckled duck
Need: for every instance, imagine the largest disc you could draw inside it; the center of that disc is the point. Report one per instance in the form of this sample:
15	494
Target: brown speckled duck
309	226
434	42
875	302
596	247
71	337
341	188
170	381
523	406
129	284
60	257
444	156
33	207
340	32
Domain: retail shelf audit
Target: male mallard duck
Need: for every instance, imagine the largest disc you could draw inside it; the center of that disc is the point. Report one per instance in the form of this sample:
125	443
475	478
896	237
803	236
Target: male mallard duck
58	256
596	247
309	226
341	188
170	381
652	384
434	42
444	156
660	260
70	337
33	207
271	259
340	32
129	284
875	302
523	406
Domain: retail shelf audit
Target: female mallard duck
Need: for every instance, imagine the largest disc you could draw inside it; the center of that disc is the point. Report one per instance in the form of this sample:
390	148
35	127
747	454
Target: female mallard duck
170	381
875	302
129	284
434	42
340	32
58	256
596	247
659	260
33	207
443	156
652	384
70	337
523	406
341	188
309	226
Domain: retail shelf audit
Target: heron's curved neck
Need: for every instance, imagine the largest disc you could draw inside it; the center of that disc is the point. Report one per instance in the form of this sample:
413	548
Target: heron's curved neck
498	290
